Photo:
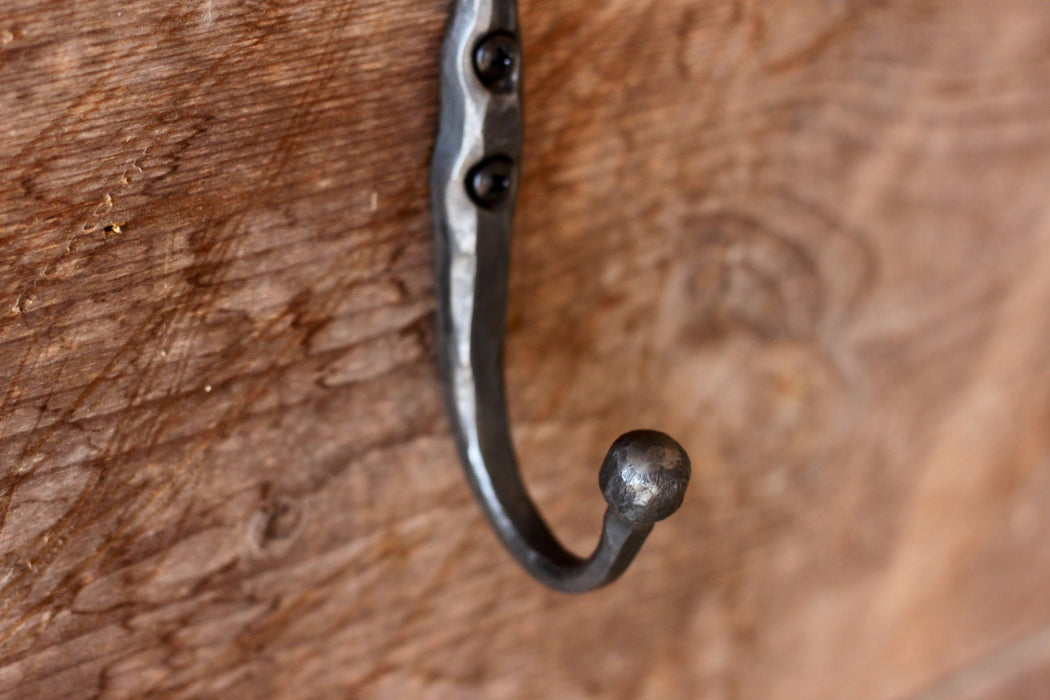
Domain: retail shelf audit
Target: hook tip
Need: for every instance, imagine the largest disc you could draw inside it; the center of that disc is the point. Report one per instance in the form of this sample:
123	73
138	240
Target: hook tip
644	476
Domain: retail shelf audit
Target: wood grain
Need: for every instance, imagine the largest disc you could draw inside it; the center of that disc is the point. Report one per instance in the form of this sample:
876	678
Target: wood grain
810	238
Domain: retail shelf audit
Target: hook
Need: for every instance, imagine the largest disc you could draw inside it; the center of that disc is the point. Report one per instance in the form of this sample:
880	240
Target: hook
474	183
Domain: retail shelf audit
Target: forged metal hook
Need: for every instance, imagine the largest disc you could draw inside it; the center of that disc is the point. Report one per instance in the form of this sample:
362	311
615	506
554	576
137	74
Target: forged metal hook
474	182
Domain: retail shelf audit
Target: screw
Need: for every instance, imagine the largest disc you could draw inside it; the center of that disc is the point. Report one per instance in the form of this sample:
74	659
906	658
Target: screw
495	61
491	181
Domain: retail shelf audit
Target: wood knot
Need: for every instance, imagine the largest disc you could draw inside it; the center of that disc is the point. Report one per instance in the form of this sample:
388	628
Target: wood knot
278	521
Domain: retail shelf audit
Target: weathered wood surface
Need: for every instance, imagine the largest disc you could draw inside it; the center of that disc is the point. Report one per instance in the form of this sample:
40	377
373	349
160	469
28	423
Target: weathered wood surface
809	238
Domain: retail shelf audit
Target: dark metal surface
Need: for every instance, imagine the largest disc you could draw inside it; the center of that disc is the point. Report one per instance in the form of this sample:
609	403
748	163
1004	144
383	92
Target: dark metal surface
473	188
496	59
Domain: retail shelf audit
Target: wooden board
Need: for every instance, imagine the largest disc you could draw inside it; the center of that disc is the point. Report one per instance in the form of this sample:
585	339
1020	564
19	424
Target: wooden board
810	239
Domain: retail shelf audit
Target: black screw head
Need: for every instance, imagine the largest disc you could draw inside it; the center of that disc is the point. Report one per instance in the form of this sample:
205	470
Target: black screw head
491	182
496	61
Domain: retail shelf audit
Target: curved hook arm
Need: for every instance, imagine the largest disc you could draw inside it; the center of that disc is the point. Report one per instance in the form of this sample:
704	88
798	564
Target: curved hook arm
473	187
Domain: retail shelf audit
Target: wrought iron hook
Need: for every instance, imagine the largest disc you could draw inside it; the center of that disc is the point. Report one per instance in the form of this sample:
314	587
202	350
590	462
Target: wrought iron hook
474	182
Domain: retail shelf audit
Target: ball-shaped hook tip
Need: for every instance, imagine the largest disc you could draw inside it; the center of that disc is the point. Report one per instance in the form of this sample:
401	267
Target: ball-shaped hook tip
644	475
